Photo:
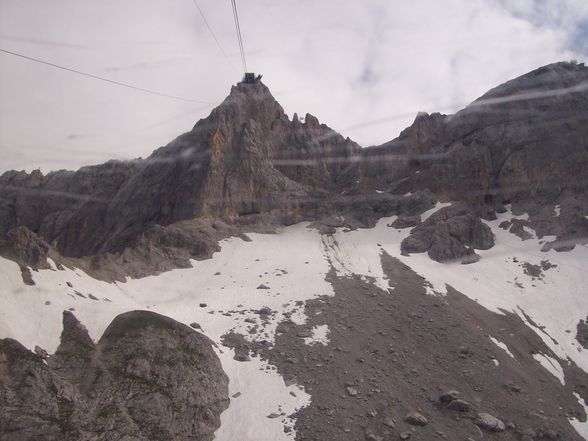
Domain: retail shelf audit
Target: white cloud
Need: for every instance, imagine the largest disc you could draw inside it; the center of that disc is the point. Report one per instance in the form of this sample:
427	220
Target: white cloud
348	63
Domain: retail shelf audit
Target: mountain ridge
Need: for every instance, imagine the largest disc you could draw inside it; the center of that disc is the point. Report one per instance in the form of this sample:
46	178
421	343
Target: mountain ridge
247	164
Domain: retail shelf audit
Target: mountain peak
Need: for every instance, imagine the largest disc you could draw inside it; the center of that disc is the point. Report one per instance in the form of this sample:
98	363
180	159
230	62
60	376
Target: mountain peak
563	76
248	101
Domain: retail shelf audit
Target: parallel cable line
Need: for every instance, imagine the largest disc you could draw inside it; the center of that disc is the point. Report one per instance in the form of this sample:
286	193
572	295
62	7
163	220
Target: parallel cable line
239	36
212	33
96	77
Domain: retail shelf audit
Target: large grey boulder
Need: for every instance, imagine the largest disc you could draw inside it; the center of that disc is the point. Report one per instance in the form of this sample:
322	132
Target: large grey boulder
451	233
489	422
148	378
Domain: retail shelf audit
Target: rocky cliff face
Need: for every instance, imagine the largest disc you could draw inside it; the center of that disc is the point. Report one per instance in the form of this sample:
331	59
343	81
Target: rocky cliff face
246	158
525	140
523	143
148	378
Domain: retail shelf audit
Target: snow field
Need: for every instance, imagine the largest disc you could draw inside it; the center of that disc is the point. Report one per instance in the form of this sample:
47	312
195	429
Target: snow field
276	272
556	302
291	264
552	305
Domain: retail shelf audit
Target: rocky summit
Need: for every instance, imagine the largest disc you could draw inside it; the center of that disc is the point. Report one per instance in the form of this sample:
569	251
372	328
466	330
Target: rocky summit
264	278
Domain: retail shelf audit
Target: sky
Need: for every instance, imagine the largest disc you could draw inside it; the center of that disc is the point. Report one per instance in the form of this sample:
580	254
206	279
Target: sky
365	68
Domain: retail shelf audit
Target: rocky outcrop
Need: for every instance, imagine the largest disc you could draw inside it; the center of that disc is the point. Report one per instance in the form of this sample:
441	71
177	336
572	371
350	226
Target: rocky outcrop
582	333
451	233
63	208
148	378
25	247
161	248
524	140
245	159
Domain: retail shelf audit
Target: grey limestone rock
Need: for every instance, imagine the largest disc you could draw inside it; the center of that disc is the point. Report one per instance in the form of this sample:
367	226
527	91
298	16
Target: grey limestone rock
416	419
489	423
149	377
451	233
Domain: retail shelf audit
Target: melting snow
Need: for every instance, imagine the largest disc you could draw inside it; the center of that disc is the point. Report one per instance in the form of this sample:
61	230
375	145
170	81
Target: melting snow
552	365
498	282
427	214
502	346
292	264
320	335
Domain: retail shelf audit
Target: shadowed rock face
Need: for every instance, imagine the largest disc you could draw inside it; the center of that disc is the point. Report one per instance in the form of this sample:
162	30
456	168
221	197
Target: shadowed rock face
148	378
525	139
246	158
524	142
63	208
25	247
451	233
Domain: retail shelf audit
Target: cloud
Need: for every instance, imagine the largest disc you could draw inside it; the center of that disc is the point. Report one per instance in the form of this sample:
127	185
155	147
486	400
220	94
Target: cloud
364	68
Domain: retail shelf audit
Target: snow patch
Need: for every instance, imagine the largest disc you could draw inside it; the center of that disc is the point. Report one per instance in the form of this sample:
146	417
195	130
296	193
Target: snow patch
218	294
356	252
51	264
320	336
529	231
427	214
552	365
256	391
502	346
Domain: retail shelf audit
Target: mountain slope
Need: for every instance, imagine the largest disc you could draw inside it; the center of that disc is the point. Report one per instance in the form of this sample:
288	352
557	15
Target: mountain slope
348	292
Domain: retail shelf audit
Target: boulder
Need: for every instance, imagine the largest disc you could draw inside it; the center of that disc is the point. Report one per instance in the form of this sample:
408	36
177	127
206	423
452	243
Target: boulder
451	233
416	419
149	377
489	423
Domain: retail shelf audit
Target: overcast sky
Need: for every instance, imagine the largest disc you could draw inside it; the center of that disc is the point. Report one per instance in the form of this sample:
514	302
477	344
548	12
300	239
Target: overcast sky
363	67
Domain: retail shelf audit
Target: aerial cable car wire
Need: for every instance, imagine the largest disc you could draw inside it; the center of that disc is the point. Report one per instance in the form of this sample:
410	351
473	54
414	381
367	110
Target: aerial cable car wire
239	36
212	33
107	80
